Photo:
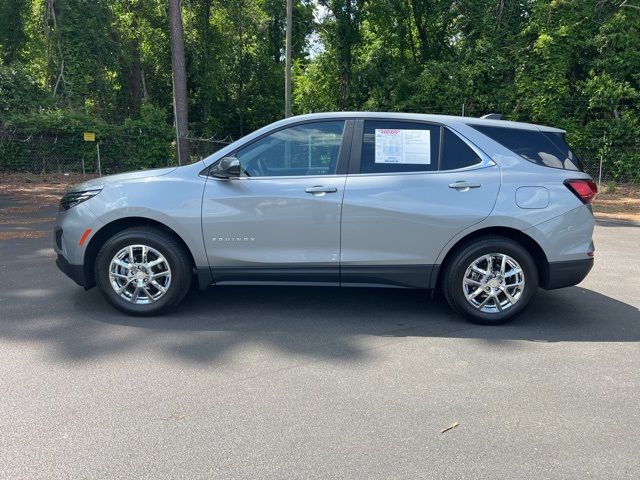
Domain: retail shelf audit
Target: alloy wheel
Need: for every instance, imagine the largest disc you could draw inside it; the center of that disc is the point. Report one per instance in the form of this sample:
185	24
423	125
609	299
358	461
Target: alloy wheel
140	274
493	283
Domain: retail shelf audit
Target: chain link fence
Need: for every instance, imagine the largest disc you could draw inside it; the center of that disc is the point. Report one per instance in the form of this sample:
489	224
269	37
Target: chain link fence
46	154
69	153
617	164
42	154
200	148
60	154
594	167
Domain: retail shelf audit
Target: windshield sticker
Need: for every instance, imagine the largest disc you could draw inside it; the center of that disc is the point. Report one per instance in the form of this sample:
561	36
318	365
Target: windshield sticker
403	146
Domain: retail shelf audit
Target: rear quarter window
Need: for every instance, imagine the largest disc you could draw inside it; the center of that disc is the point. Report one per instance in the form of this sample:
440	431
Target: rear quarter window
549	149
456	153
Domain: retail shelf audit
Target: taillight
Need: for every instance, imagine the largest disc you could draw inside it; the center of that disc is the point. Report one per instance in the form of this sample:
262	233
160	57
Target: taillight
585	189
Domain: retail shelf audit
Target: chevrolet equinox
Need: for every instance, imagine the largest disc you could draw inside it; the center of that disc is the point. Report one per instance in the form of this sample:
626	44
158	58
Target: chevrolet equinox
486	210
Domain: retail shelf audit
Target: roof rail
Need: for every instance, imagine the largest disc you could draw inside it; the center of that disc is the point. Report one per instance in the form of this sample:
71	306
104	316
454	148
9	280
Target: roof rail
492	116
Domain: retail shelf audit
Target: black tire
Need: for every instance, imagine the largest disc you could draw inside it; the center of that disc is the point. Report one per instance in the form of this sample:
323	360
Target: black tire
170	248
455	268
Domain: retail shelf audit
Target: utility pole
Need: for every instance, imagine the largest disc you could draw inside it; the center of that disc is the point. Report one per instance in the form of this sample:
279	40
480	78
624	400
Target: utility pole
287	68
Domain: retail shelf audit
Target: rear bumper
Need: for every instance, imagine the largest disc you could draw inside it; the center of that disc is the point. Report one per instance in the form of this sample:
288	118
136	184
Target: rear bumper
566	274
74	272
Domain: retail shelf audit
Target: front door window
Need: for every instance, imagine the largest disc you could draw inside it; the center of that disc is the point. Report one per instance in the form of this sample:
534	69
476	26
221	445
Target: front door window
303	150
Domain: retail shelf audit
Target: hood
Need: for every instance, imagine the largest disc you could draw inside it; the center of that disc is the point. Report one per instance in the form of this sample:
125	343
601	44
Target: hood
100	182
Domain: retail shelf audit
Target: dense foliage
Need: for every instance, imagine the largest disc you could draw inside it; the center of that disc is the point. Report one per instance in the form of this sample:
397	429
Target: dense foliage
68	66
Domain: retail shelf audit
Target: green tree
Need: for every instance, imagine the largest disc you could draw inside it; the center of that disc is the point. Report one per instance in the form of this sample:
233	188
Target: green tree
12	33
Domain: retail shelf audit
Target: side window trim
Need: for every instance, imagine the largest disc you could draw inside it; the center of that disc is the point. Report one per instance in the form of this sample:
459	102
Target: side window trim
356	148
344	154
441	148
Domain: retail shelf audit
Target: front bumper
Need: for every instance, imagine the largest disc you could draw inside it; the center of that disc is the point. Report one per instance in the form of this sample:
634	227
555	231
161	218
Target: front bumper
74	272
566	274
70	240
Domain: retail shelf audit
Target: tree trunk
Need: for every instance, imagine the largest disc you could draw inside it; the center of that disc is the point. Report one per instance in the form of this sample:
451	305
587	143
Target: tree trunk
419	16
287	69
178	67
276	37
205	60
60	78
135	77
347	15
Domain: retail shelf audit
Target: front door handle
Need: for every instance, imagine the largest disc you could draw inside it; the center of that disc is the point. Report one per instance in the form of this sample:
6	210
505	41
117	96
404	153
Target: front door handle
320	190
464	185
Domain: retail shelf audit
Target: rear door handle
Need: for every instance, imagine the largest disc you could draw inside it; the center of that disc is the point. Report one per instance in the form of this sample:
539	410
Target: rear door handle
463	185
320	190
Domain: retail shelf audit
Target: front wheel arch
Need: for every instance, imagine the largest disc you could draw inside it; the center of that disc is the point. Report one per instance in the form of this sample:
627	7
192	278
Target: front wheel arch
110	229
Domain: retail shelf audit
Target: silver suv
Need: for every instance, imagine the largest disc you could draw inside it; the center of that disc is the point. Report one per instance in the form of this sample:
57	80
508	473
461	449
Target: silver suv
485	210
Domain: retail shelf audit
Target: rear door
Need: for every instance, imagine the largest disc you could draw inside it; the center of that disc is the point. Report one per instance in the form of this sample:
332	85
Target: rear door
411	187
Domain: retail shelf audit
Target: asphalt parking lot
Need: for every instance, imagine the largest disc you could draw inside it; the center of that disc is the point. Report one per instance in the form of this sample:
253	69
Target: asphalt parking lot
282	382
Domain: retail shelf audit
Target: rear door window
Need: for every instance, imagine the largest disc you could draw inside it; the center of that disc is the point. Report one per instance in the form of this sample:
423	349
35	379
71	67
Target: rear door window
391	146
543	148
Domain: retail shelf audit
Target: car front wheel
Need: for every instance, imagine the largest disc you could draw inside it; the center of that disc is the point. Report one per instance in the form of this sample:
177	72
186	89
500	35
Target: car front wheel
490	280
143	271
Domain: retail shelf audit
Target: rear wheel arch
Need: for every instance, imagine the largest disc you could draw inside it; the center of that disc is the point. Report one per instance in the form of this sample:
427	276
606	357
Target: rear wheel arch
110	229
534	249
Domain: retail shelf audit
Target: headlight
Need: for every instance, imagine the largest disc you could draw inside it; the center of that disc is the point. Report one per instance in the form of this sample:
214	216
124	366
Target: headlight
71	199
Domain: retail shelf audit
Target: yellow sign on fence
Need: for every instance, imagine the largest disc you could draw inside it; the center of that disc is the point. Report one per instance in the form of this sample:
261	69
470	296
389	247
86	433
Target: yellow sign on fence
89	137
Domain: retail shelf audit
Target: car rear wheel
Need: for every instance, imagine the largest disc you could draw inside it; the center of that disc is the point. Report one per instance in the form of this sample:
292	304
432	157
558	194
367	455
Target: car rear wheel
490	280
143	271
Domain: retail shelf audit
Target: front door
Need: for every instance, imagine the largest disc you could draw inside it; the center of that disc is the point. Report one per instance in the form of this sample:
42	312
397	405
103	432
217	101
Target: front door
279	222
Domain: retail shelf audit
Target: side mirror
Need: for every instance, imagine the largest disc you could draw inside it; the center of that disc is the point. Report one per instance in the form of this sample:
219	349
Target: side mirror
227	167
